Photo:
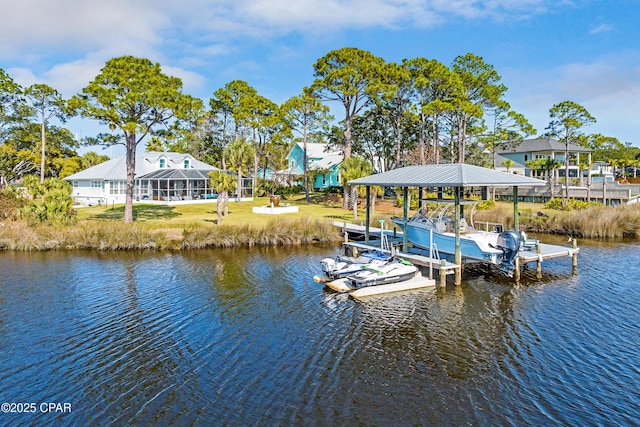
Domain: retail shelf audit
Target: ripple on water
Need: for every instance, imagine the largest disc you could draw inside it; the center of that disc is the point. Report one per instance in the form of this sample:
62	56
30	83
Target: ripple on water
246	337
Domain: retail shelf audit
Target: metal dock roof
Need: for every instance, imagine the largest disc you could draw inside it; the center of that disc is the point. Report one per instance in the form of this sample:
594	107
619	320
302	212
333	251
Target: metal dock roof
446	175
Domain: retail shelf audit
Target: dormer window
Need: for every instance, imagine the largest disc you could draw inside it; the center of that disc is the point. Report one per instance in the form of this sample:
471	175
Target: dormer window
185	163
162	163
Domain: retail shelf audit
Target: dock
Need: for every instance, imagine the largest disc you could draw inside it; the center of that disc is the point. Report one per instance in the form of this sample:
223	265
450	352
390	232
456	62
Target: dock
545	251
417	282
390	241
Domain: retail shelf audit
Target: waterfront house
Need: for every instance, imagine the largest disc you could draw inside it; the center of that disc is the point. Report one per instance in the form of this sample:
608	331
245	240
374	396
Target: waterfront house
160	177
320	159
541	148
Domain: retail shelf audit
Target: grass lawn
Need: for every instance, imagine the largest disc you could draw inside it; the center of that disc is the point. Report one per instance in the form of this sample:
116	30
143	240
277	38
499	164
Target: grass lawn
179	216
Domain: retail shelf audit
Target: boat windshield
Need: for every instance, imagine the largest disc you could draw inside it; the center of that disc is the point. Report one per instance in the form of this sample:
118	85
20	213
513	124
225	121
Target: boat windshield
441	217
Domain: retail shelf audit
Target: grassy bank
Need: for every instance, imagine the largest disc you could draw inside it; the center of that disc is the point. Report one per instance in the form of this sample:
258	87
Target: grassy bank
595	222
159	227
112	235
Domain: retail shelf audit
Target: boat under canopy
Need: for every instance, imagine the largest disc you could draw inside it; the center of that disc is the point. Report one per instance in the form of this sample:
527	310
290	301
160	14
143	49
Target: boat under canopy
456	176
432	229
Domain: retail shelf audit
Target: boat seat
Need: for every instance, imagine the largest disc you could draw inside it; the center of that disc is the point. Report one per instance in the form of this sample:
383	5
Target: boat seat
527	243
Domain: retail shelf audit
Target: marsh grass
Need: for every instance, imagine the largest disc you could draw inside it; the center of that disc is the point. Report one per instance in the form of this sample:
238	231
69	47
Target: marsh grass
603	222
277	232
193	226
115	236
593	222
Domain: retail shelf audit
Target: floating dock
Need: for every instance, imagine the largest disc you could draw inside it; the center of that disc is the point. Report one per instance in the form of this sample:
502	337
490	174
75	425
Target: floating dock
539	254
417	282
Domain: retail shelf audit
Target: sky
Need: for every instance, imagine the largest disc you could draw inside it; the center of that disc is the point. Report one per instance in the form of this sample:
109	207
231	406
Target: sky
546	51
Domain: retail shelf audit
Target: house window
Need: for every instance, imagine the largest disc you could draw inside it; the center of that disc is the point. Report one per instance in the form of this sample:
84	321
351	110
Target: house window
96	184
162	163
74	184
186	163
117	187
526	157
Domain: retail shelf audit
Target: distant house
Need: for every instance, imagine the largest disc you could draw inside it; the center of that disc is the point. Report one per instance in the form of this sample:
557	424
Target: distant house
319	158
162	177
541	148
516	168
601	171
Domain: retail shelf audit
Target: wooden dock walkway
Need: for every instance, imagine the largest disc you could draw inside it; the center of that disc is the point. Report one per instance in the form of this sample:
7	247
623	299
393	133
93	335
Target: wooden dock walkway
545	251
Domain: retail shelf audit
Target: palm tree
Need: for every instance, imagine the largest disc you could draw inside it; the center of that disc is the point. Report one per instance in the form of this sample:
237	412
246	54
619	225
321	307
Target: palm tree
222	182
354	168
545	166
239	153
585	165
508	163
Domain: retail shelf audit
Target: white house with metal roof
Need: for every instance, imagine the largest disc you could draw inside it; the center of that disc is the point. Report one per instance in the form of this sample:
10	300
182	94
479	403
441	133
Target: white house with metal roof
159	176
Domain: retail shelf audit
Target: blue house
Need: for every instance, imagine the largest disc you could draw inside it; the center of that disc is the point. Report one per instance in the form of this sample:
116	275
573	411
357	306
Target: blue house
319	158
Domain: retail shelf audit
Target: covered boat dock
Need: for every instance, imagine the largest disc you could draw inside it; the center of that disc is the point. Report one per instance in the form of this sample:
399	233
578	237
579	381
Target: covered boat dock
457	177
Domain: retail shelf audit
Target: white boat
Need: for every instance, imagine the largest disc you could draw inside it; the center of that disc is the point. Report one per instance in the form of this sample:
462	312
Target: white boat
432	228
343	266
374	275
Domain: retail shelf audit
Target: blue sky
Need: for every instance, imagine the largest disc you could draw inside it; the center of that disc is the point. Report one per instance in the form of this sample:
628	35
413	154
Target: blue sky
546	51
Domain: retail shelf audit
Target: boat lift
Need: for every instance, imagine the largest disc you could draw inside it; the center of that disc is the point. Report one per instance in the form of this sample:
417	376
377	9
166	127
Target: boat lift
457	176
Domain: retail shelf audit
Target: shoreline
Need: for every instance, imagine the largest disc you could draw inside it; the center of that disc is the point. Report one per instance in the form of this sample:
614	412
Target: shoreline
108	236
156	229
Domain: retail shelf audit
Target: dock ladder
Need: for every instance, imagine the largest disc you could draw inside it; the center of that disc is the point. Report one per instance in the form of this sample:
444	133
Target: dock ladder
435	253
384	240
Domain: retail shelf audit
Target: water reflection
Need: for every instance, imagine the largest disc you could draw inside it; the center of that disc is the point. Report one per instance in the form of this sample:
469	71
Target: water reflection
244	336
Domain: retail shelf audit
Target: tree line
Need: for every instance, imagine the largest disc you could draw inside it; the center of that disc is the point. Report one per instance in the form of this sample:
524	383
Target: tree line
419	111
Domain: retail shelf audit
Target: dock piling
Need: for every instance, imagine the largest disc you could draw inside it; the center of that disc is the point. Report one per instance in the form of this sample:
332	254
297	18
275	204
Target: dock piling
574	244
539	264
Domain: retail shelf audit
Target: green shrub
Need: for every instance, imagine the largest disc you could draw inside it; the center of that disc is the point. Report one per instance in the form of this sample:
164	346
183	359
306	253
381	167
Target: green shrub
569	204
52	202
485	205
414	200
10	204
332	190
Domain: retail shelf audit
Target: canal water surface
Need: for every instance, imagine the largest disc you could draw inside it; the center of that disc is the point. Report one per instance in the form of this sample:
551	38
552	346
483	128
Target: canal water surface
246	337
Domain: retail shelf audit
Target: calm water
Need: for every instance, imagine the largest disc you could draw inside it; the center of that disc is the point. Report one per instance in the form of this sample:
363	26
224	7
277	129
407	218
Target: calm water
245	337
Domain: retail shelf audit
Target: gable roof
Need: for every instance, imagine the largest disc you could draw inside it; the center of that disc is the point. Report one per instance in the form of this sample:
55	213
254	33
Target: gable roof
541	144
116	169
446	175
321	156
176	173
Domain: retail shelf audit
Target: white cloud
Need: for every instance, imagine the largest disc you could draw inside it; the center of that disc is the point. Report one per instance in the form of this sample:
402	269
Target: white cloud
48	27
35	29
602	28
68	79
328	15
191	82
497	9
607	87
